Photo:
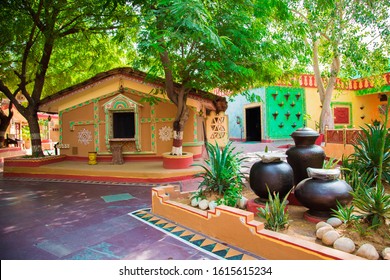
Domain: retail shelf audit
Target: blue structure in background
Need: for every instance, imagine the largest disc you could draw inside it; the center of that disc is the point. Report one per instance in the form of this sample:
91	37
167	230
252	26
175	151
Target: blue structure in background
266	114
236	111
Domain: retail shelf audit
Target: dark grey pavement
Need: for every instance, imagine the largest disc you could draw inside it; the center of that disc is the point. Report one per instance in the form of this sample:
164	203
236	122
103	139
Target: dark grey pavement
44	220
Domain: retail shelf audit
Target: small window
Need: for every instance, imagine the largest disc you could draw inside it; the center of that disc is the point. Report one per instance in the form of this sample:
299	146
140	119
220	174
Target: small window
123	125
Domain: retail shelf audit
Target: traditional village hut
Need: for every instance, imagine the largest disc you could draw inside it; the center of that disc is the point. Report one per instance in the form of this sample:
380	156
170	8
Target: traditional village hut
114	109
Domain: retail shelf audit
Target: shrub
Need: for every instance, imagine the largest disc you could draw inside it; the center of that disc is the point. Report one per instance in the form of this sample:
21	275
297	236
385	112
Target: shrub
355	177
345	213
231	196
221	170
274	212
368	153
331	163
373	204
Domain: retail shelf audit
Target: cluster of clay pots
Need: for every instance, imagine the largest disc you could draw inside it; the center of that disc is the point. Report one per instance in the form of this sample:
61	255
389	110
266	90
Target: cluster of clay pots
325	231
301	166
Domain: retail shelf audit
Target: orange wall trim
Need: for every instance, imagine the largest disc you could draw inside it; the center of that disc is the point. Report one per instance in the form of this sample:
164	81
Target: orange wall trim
239	228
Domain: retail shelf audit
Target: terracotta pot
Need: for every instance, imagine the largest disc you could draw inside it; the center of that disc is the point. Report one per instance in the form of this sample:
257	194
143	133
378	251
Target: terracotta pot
305	153
322	190
274	173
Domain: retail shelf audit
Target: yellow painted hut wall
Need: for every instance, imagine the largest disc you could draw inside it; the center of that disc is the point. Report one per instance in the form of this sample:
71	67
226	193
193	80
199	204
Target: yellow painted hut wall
84	113
370	110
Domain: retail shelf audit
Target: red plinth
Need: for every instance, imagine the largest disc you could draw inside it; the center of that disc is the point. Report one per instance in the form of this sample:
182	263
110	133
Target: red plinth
314	219
177	162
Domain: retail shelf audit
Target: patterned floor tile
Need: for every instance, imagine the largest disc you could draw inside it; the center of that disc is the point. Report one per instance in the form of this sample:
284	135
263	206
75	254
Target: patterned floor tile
197	240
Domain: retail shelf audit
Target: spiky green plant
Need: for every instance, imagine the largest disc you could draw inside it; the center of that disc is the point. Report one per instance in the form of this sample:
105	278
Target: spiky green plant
362	229
369	155
330	163
373	204
345	213
221	169
274	212
355	177
231	196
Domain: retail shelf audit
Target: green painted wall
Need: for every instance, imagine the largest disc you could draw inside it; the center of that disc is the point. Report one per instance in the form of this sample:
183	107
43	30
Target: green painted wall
285	110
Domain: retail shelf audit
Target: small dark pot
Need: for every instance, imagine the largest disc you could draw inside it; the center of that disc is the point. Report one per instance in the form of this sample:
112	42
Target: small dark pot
278	176
305	153
321	195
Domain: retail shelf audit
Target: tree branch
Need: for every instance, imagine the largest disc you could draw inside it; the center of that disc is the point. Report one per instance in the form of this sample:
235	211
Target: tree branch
35	16
75	30
11	96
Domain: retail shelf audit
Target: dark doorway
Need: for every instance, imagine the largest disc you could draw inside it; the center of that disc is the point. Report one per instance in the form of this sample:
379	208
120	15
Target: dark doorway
123	125
253	124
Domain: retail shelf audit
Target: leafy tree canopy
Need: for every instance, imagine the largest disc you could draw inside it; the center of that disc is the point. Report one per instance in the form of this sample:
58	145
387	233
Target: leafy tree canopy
210	44
356	31
86	37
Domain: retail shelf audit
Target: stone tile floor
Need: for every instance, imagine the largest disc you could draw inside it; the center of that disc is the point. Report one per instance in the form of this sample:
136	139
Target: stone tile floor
46	220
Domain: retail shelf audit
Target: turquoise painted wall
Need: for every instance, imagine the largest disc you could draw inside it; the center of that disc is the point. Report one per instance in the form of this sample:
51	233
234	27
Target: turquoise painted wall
236	109
285	110
282	111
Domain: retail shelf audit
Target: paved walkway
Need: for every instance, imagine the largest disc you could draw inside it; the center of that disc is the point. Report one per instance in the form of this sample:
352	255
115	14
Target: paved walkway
56	219
53	220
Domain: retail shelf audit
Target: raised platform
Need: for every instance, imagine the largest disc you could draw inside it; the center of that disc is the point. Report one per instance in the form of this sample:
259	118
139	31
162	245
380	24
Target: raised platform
137	171
11	152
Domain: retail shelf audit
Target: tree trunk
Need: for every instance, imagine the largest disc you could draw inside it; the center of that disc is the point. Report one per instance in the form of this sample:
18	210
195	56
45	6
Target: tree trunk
326	117
36	143
179	123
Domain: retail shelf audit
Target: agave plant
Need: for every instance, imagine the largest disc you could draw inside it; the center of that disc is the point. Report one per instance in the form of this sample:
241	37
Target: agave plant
274	212
221	170
330	163
355	177
373	204
368	154
345	213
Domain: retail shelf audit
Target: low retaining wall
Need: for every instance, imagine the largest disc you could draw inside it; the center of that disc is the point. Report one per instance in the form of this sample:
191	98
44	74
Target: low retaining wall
31	162
239	228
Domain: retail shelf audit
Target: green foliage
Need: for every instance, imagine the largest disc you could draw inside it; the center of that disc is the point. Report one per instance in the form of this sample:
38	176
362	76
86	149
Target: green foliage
373	204
231	195
208	45
274	212
354	176
367	156
153	98
362	229
345	213
199	194
48	45
222	170
330	163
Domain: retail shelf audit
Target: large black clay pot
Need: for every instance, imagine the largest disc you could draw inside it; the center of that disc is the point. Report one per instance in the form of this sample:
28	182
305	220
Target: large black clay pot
273	172
305	153
321	191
